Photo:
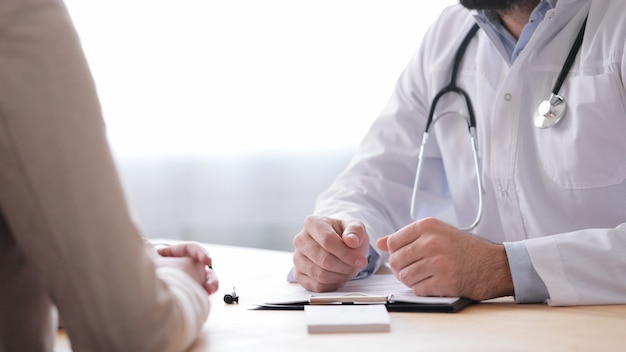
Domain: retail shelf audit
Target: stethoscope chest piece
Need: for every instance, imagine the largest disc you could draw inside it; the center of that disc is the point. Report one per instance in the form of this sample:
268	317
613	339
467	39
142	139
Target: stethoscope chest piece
550	112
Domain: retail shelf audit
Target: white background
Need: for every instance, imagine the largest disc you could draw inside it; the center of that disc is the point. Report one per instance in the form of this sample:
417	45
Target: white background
228	117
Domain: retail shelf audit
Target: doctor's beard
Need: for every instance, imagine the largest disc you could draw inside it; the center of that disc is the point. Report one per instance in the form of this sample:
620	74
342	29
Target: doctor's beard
499	5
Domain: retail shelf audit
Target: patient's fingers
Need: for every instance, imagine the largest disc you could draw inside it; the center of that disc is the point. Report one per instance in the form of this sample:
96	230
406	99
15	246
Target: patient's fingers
193	250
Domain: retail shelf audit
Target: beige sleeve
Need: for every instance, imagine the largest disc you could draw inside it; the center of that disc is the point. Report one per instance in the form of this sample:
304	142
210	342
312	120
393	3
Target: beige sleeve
67	222
191	300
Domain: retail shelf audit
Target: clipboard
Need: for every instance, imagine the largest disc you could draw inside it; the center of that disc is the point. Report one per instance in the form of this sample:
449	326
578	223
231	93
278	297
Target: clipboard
376	289
350	298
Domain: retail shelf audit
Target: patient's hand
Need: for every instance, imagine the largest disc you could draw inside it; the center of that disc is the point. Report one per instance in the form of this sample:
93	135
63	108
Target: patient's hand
192	258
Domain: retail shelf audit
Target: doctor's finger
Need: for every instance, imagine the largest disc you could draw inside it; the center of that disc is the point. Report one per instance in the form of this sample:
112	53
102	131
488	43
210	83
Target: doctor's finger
314	286
323	230
411	233
318	262
324	234
436	285
316	279
413	273
408	255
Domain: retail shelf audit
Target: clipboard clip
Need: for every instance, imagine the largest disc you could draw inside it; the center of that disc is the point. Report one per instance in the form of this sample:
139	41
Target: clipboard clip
350	298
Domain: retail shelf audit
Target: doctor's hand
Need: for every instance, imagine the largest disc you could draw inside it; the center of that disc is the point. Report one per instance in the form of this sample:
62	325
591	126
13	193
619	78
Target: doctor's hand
436	259
329	253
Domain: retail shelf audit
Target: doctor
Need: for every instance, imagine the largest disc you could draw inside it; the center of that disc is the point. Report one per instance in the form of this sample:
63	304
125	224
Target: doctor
539	212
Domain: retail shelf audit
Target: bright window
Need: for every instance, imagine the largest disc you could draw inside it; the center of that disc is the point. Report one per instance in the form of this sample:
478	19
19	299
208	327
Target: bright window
228	117
238	76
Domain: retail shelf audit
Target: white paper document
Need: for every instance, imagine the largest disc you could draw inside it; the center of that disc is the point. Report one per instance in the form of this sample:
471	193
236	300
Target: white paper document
384	288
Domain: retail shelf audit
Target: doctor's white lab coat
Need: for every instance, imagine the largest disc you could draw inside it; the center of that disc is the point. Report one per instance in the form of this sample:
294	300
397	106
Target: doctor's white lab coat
560	190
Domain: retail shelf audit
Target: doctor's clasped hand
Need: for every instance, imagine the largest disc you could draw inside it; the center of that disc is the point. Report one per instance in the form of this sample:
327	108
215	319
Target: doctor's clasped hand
434	258
329	253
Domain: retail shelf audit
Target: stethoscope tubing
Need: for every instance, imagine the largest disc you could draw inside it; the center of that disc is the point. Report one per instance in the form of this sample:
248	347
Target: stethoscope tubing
554	101
471	126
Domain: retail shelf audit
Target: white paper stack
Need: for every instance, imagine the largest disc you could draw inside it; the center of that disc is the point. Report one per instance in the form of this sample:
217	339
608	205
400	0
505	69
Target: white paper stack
341	318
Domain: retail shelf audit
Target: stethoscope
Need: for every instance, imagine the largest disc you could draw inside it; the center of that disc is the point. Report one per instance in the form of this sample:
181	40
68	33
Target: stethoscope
548	113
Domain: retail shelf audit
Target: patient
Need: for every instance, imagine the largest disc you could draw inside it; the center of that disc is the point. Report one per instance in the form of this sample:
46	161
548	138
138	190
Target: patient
67	239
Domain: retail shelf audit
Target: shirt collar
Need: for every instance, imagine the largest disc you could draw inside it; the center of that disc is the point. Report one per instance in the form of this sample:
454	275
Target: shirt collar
510	46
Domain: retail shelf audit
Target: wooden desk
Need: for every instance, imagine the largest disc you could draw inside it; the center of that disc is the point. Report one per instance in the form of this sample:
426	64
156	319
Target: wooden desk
497	325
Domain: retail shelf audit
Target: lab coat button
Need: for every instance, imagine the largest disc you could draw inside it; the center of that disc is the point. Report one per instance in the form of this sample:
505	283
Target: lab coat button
508	97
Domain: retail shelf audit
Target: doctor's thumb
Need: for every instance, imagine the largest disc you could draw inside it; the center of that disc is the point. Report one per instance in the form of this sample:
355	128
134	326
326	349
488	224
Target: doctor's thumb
382	244
351	239
354	235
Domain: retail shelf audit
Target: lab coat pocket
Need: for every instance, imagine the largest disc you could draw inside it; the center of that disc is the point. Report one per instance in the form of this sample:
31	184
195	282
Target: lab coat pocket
587	149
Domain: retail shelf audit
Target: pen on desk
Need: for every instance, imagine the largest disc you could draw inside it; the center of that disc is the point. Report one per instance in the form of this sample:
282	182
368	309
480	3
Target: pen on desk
231	297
